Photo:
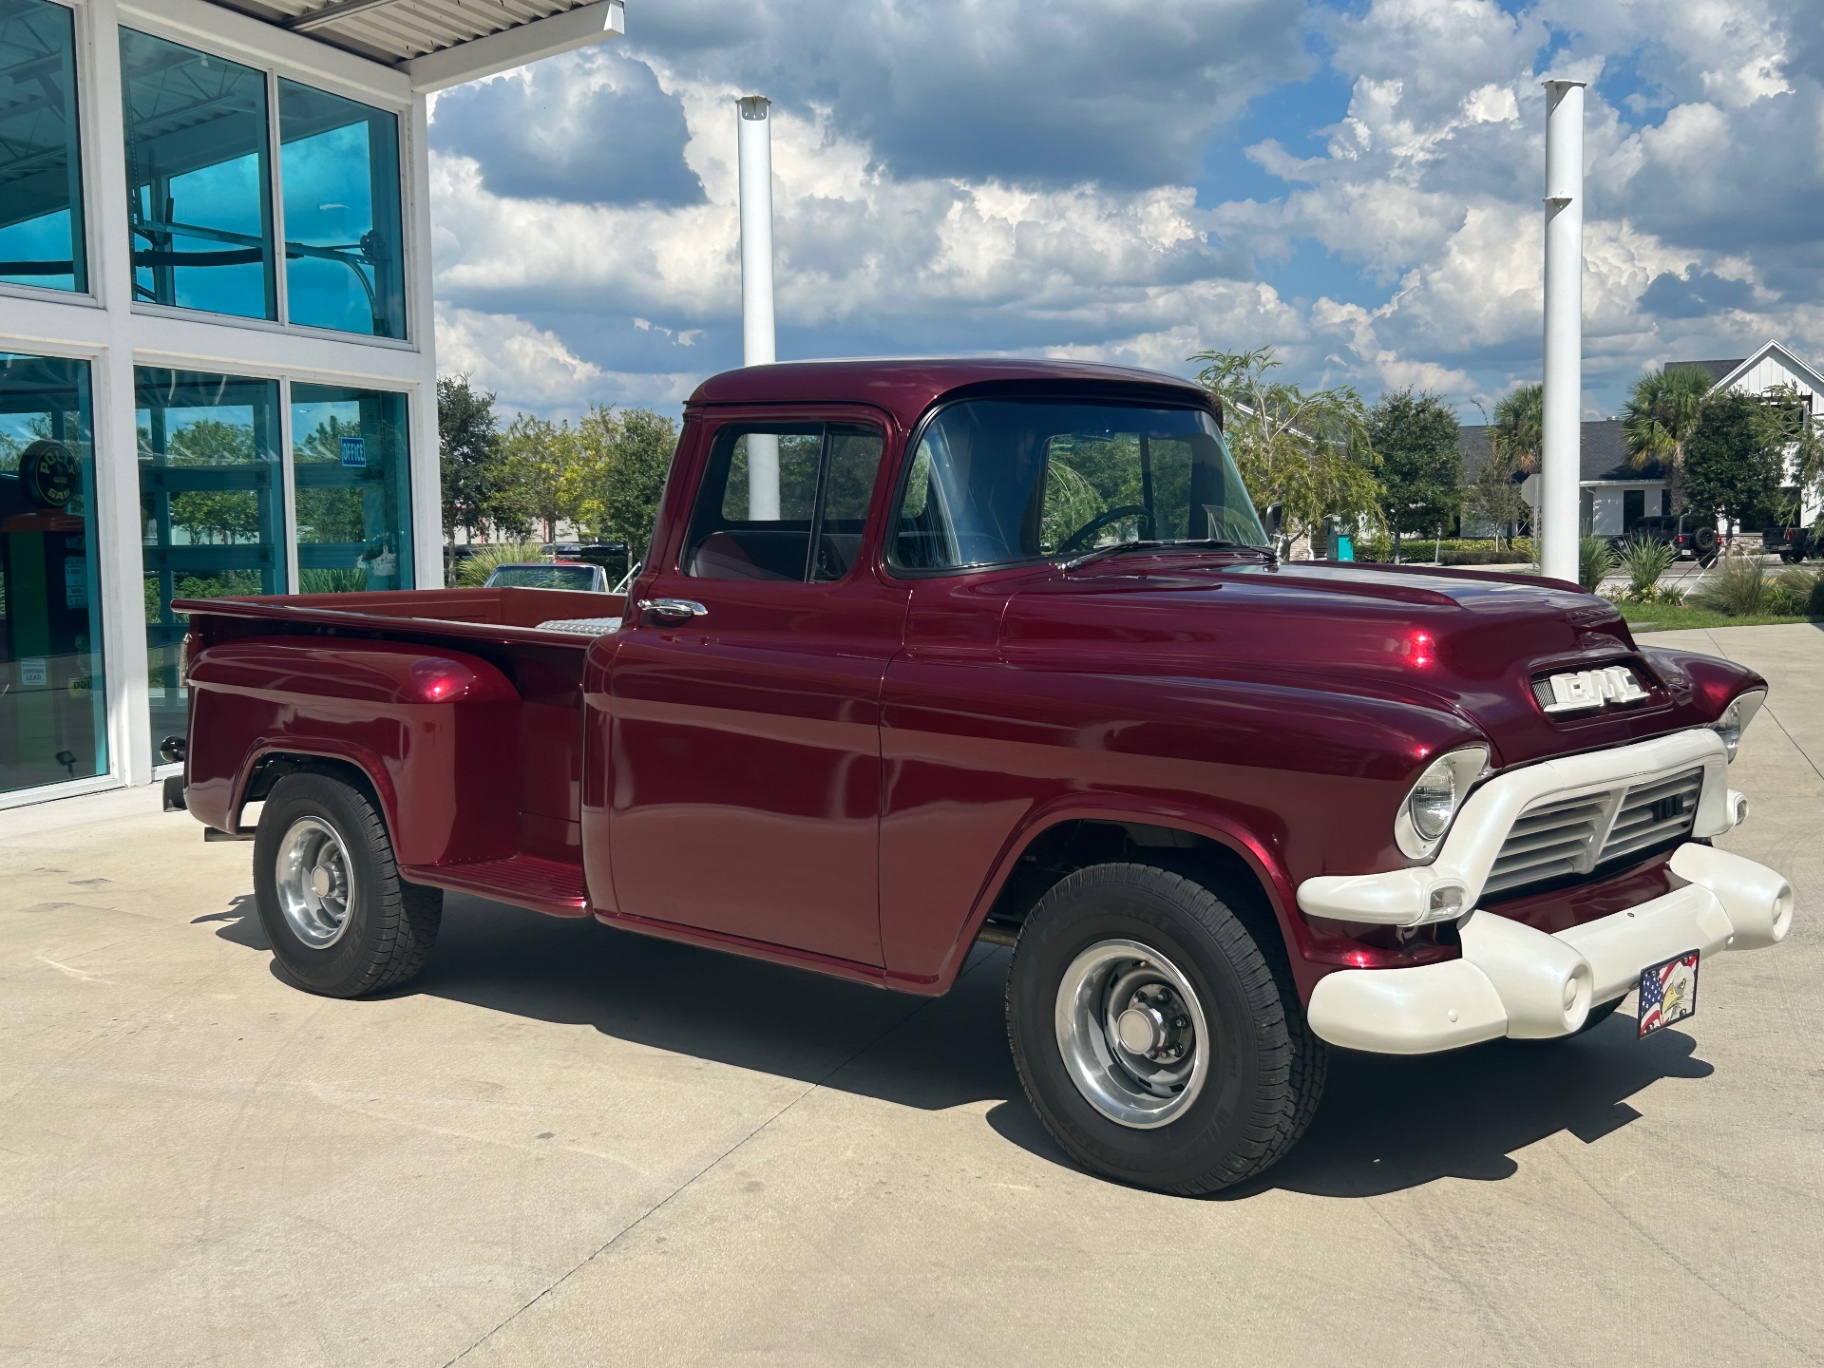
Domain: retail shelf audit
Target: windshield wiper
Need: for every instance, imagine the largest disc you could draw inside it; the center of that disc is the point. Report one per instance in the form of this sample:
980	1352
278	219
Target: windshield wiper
1199	543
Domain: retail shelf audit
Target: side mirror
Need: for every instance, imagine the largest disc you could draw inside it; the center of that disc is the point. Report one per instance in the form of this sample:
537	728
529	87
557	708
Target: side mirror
1269	519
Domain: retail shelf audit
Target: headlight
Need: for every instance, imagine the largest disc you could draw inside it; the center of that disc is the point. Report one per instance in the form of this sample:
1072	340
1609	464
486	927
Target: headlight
1433	802
1735	719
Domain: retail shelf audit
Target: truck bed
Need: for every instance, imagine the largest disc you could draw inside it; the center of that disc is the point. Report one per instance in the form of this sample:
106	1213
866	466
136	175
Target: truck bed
462	706
500	614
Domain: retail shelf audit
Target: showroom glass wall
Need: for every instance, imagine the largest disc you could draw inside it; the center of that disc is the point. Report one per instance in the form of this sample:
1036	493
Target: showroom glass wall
202	203
204	301
53	703
41	236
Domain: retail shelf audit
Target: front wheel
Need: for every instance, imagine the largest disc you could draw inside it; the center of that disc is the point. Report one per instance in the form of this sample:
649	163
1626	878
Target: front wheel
1157	1040
340	920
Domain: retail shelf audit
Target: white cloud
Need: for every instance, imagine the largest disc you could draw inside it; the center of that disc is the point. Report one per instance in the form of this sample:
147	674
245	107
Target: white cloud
1705	136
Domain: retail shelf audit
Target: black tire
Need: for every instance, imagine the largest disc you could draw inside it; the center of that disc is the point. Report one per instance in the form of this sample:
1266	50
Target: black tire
1260	1089
390	925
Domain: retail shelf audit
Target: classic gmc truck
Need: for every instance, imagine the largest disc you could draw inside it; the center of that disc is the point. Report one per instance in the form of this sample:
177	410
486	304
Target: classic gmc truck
928	654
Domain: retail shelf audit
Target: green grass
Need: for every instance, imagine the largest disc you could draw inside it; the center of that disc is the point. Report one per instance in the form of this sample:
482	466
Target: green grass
1676	617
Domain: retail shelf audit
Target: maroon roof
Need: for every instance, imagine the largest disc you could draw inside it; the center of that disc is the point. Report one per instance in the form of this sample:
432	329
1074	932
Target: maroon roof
907	388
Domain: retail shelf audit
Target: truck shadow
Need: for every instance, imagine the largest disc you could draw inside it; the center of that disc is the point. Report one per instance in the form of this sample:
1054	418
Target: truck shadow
1385	1124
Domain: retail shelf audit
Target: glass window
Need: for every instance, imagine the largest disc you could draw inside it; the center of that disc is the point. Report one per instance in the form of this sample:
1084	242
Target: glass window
1001	480
351	469
339	165
211	505
40	166
769	495
198	180
53	708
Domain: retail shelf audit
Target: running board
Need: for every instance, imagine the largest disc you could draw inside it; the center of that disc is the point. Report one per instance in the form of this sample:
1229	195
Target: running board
554	887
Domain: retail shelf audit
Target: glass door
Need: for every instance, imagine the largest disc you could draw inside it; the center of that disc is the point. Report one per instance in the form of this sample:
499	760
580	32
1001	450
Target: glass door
212	505
53	704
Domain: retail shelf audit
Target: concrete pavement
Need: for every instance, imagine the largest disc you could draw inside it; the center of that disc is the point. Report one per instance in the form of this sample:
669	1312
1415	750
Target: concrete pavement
567	1145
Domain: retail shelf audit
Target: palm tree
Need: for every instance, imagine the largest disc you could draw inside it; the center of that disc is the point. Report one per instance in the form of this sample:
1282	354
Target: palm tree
1519	428
1658	419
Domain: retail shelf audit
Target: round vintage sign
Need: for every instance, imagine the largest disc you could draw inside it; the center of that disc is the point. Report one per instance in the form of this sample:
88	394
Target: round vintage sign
50	473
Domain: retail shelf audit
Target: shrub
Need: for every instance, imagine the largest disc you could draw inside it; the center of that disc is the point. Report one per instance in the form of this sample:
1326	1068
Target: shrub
476	569
1595	559
1797	592
1737	587
336	580
1645	561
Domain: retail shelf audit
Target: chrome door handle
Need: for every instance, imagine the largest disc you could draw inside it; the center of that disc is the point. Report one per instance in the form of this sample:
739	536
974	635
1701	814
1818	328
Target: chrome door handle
673	610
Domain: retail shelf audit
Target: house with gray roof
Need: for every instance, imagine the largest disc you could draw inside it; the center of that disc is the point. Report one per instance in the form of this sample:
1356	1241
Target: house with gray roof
1616	495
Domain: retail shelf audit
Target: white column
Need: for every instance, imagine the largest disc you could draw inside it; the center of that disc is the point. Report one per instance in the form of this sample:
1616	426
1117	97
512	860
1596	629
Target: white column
115	403
756	167
426	457
1561	460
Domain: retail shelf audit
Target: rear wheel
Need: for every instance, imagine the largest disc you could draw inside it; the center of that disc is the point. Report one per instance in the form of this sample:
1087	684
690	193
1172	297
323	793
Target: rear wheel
340	920
1157	1040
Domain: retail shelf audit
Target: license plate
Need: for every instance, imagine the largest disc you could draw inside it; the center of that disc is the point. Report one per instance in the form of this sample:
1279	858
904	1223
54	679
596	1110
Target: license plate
1668	992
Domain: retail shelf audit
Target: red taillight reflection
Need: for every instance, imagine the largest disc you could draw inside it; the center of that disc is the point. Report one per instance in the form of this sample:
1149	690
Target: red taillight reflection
439	679
1422	650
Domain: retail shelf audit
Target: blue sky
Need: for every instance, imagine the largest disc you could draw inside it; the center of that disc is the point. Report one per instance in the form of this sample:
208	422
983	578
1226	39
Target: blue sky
1356	185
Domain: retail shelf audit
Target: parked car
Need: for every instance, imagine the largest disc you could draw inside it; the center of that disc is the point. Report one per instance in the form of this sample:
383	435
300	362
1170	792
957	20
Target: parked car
1002	656
1790	544
578	575
1694	538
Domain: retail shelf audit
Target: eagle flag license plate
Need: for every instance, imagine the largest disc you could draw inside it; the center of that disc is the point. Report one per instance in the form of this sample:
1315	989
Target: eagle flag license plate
1668	992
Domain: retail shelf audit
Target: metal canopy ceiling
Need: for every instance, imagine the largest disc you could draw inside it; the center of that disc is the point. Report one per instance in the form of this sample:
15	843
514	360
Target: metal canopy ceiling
397	31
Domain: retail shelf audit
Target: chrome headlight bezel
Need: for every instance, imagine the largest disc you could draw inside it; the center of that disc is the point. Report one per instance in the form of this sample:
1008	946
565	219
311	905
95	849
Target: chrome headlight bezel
1736	717
1454	771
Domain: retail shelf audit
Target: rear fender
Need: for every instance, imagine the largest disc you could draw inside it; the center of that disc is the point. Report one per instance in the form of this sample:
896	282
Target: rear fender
434	732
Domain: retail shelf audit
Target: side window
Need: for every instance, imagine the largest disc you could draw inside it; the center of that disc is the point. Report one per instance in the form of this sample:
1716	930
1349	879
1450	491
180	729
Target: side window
770	493
854	461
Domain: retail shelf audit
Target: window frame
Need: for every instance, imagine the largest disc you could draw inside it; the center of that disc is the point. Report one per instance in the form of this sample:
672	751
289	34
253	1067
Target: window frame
742	424
893	570
89	152
269	58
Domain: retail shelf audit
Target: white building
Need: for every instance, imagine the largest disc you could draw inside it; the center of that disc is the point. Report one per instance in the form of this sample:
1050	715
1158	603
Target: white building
1614	494
216	359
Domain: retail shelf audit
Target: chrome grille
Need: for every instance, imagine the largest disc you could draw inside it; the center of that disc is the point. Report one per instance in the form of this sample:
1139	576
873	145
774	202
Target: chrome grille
1549	840
1653	814
1559	837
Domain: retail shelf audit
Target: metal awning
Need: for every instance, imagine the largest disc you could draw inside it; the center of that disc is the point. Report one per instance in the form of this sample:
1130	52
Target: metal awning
443	43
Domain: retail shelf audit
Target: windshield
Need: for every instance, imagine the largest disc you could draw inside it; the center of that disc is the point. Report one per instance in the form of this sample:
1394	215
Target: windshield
544	577
1001	480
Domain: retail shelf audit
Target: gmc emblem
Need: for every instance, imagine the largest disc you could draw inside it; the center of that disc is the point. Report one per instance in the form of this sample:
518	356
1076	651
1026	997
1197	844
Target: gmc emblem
1583	690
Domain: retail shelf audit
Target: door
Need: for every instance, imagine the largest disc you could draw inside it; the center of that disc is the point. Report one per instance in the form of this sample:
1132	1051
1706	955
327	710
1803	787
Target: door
745	703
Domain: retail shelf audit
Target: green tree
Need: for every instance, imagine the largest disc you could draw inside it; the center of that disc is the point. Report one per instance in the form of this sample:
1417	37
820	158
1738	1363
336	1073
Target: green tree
1415	438
617	471
534	455
1308	451
468	439
1734	457
1517	435
1659	418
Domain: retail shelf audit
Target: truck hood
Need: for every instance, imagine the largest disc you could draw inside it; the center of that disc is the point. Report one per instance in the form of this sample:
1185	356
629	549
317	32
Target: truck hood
1470	643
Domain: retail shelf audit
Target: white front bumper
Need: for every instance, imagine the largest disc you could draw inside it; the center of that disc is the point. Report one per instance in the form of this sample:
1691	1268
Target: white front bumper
1513	980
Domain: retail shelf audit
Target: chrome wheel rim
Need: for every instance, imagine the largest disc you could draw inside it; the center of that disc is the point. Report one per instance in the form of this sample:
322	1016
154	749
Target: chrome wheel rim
316	892
1132	1033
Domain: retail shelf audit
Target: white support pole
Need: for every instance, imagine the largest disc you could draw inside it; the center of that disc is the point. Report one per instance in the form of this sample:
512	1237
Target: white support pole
756	167
1560	464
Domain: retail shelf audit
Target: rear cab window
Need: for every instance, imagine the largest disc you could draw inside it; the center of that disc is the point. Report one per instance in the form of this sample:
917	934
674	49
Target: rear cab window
783	502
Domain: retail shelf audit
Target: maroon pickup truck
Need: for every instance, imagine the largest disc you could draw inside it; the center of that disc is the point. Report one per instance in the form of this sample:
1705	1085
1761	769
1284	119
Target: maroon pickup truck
929	654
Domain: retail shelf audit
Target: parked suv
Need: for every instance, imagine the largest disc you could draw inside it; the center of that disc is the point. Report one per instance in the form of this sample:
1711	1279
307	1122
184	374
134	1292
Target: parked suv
1692	537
